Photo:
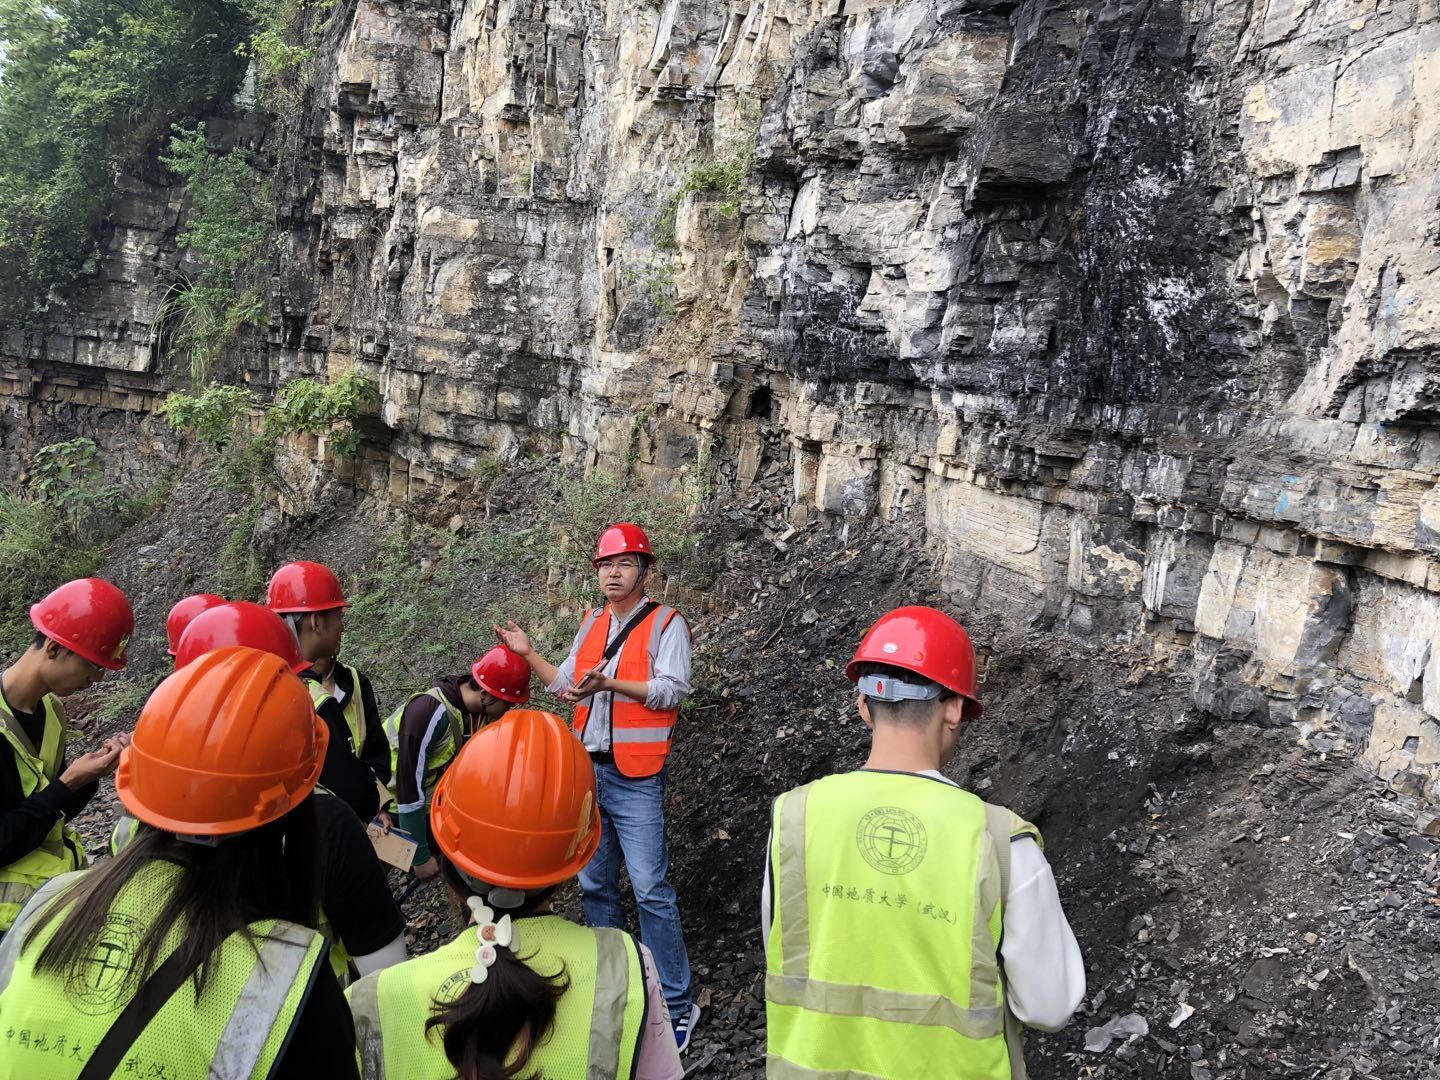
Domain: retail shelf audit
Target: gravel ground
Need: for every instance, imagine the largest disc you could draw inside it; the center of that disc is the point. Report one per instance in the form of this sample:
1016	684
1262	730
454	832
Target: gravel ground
1247	906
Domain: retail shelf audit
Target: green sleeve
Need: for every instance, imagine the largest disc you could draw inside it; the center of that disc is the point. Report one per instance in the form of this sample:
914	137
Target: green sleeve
413	824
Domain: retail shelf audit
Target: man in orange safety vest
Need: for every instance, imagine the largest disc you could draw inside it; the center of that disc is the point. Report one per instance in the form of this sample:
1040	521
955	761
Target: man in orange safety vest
627	673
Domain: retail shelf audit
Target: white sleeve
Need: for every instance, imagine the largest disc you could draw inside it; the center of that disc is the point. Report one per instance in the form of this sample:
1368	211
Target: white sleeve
670	680
383	957
765	899
1043	967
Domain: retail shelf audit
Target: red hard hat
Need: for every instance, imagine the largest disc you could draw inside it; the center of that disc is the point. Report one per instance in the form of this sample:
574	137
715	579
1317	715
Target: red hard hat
503	674
90	617
183	613
927	642
222	746
622	539
516	807
240	623
304	586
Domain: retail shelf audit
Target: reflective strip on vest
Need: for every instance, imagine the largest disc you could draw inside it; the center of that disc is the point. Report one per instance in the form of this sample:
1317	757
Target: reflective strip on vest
639	736
442	749
236	1029
62	850
281	960
369	1038
354	711
612	991
881	841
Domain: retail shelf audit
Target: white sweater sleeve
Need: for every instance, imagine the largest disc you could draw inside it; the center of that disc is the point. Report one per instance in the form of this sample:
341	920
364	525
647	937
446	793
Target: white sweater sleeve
1045	973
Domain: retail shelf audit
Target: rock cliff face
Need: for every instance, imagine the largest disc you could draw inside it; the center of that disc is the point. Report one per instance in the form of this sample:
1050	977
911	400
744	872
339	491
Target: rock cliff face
1133	309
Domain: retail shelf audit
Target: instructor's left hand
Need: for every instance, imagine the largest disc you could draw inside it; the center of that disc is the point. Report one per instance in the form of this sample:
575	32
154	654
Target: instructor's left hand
593	683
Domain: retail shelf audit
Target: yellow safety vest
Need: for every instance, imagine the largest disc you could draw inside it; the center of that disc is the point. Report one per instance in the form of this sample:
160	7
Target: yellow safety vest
236	1029
62	850
127	828
443	747
883	954
598	1020
354	710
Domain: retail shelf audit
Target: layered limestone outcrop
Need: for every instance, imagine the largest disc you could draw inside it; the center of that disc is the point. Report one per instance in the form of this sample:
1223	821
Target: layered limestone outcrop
1131	310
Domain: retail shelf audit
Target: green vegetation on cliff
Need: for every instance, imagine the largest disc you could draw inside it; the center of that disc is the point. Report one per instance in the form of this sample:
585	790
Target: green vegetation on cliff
91	88
85	87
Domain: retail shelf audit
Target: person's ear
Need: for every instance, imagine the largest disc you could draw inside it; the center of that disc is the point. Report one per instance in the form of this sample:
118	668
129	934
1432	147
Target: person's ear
952	713
53	649
863	703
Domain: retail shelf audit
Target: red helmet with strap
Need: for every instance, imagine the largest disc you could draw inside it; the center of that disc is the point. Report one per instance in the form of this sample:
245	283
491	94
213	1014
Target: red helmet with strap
304	586
183	613
90	617
927	642
622	539
503	674
240	623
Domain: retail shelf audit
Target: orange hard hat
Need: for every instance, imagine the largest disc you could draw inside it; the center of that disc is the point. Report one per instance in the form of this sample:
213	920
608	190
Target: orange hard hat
304	586
90	617
183	613
226	744
622	539
517	806
240	623
503	674
927	642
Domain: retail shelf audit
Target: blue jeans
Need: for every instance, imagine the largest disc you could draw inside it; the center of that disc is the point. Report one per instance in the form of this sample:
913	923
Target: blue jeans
632	824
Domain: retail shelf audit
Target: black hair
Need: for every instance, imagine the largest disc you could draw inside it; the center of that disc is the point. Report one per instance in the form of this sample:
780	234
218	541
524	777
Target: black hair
271	872
511	1011
39	641
909	711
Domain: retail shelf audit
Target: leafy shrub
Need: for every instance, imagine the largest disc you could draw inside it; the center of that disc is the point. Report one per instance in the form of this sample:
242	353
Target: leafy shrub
57	532
725	175
229	225
219	418
86	87
67	478
422	581
282	46
35	557
211	416
238	573
331	409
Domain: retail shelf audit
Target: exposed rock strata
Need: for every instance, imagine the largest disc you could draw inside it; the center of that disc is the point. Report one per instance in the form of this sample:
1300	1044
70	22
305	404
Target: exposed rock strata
1134	310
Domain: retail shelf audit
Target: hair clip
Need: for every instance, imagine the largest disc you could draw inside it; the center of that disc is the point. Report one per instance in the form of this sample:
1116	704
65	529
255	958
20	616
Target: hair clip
490	935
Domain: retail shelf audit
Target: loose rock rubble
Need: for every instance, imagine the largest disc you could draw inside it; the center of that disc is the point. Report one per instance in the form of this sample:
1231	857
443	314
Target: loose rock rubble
1248	905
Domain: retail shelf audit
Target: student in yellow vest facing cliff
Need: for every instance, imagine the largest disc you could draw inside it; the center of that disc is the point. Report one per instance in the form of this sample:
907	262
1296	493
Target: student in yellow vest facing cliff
309	598
428	730
81	631
521	991
191	953
627	673
907	924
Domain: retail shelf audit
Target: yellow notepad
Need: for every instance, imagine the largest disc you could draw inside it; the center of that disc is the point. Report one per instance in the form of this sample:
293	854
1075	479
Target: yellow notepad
391	847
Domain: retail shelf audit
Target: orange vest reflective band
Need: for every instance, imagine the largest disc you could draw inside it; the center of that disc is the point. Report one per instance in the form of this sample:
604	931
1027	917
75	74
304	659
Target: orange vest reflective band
639	737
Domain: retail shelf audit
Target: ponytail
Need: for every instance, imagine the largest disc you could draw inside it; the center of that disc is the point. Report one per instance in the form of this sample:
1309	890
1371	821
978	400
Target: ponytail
511	1012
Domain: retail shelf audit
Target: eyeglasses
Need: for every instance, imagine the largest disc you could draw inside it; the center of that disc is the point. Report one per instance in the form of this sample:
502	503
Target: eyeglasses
617	564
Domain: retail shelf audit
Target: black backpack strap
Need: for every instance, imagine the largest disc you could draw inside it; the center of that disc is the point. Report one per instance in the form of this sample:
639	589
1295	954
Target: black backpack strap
159	988
614	646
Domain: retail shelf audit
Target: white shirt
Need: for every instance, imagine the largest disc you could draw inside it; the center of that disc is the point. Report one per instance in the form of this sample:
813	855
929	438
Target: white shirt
669	677
1045	974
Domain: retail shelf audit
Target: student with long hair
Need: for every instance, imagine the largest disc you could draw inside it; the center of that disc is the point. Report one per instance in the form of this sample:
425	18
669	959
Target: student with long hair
521	991
192	953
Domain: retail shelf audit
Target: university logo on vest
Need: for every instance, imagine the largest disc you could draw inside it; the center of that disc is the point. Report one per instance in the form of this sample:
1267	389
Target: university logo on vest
892	840
98	986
